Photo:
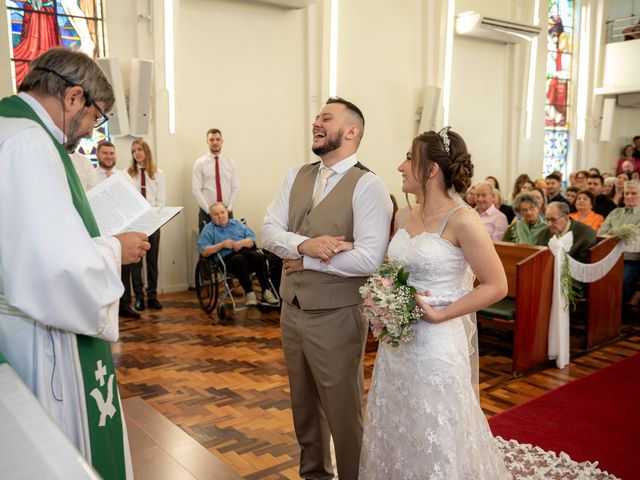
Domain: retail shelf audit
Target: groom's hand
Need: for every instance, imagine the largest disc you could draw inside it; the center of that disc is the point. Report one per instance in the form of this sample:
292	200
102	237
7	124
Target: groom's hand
292	266
323	247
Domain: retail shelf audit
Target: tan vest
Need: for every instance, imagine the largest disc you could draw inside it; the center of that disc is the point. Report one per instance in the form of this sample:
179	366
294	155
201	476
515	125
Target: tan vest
332	216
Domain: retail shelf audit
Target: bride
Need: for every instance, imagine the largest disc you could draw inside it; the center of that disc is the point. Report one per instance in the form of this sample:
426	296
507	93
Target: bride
423	417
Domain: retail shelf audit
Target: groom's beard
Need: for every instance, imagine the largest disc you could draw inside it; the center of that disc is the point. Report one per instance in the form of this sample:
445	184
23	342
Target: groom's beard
330	145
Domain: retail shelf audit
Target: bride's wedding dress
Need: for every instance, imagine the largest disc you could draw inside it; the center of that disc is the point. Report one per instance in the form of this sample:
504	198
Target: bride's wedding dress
423	419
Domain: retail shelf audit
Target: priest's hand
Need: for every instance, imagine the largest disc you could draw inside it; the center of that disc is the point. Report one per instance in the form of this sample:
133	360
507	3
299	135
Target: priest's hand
134	246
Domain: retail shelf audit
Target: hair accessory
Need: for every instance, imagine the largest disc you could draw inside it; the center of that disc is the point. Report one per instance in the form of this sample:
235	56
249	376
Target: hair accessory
444	136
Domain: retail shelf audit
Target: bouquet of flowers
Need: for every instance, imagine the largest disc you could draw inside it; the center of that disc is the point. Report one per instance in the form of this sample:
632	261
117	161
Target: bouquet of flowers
627	233
389	304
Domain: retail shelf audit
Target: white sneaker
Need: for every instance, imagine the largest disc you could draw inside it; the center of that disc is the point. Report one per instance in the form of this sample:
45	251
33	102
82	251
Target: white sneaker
269	297
251	300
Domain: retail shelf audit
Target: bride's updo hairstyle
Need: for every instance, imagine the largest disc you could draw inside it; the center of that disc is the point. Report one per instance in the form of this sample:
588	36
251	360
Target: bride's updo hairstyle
431	147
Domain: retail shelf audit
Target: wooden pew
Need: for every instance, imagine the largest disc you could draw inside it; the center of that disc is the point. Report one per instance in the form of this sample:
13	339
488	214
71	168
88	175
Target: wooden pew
529	270
603	300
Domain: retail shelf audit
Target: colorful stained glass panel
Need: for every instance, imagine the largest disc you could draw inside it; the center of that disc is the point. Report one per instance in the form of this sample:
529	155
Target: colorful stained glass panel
558	84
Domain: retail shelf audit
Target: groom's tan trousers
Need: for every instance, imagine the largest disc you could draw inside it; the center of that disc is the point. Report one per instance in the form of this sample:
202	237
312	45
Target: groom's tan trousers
323	351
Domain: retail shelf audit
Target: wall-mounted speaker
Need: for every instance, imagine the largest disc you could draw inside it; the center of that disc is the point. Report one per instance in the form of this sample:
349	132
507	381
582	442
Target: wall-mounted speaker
118	118
140	96
608	107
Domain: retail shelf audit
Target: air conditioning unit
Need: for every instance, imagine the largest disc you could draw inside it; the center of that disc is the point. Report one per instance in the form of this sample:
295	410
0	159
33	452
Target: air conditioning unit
291	4
629	100
477	25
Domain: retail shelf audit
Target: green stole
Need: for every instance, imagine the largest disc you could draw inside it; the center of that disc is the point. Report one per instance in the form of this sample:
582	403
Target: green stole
526	234
98	373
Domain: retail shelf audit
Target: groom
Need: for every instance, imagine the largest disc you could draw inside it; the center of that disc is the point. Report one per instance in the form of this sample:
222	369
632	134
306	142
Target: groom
330	223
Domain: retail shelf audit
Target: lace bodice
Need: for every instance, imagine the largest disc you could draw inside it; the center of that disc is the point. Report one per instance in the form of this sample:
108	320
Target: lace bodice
433	263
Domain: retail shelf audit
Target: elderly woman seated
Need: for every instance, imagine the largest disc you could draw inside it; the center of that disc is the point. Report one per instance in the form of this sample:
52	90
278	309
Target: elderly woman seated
529	227
585	200
236	244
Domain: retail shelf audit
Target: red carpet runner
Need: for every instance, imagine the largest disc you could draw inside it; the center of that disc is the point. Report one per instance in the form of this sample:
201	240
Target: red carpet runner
596	418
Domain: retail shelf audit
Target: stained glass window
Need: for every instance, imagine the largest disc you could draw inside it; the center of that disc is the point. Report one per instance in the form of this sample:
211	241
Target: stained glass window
38	25
557	110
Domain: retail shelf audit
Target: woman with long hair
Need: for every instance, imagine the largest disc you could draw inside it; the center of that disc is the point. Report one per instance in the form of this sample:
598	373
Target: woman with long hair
423	414
617	192
149	180
521	180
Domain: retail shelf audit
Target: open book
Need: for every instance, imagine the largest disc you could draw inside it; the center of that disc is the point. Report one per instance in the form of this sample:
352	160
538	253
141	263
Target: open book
119	207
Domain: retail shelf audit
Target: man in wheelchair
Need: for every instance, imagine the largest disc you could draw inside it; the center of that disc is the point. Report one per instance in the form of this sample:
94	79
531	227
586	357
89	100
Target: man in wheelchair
236	244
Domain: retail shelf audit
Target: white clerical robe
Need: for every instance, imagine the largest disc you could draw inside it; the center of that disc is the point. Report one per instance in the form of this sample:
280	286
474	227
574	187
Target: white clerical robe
55	280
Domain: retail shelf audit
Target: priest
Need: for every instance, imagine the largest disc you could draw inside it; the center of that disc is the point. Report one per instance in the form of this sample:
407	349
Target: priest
59	279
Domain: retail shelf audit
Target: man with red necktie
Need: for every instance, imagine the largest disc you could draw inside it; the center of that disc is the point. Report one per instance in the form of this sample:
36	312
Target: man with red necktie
215	178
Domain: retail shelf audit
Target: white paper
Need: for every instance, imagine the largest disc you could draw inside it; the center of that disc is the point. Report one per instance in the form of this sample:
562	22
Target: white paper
118	207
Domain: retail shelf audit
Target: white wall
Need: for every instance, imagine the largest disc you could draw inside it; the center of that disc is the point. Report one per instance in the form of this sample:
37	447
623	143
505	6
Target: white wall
379	69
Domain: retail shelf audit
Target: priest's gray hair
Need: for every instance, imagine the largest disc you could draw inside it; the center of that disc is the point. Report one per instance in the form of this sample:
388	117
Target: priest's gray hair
76	68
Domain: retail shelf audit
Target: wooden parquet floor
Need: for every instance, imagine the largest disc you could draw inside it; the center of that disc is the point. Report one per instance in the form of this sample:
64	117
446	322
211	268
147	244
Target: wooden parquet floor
225	383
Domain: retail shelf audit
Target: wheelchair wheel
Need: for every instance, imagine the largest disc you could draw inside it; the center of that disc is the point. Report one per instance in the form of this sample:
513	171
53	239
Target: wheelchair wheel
206	285
222	311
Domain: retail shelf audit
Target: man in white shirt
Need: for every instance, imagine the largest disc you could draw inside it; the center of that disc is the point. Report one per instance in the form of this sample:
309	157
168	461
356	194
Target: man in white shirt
214	179
330	222
56	336
106	154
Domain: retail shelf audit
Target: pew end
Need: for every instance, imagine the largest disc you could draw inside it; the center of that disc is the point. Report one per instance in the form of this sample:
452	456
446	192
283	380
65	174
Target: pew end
529	271
601	308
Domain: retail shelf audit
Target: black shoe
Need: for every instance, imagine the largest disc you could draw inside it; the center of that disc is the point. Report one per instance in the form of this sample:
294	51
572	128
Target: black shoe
154	303
128	313
139	304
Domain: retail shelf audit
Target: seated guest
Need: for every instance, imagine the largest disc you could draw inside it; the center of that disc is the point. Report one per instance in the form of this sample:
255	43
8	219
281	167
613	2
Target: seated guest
522	184
602	204
493	219
628	167
541	200
570	194
503	207
594	171
609	185
580	180
617	194
559	223
470	197
527	229
553	182
236	244
584	210
493	181
627	215
627	155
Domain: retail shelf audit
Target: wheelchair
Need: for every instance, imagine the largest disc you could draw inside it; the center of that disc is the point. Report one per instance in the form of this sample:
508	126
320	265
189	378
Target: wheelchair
213	287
